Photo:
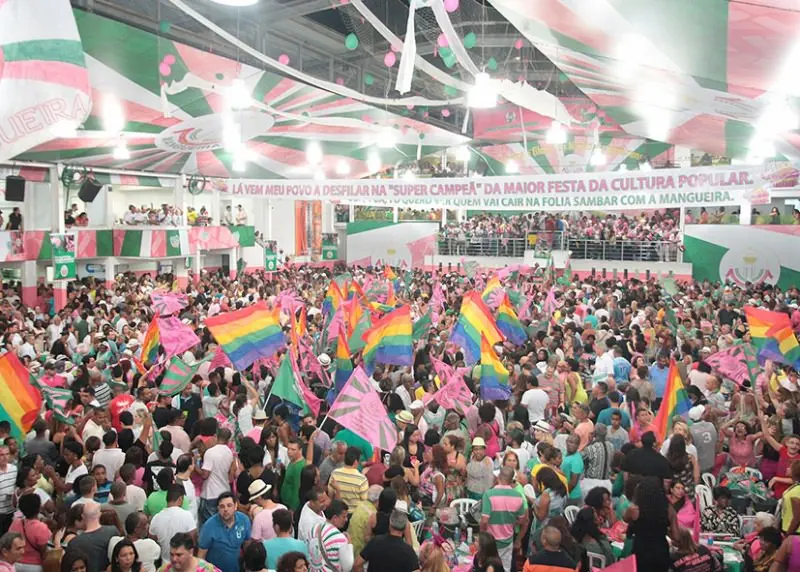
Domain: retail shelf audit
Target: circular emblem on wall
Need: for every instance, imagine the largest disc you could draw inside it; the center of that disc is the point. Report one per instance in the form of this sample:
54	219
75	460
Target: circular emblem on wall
206	133
742	264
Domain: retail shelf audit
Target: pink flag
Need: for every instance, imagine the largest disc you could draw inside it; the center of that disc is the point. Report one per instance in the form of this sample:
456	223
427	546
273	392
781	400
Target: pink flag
311	400
437	302
550	303
731	362
311	363
525	311
625	565
176	337
165	303
453	395
220	359
358	408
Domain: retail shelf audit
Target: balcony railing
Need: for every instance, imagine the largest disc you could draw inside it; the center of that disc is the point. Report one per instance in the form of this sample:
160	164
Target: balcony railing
543	242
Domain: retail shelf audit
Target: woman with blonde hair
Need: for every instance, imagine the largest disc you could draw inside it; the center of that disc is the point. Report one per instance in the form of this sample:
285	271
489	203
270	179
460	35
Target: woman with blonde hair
436	554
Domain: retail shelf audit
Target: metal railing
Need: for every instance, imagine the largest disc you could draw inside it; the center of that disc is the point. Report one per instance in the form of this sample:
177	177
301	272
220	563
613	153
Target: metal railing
543	242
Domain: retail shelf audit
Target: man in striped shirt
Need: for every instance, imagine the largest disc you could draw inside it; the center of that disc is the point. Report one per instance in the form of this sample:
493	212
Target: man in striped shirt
8	480
347	483
502	510
329	550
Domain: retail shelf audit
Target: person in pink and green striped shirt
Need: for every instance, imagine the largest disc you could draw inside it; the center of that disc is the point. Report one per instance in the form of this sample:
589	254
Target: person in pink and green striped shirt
502	514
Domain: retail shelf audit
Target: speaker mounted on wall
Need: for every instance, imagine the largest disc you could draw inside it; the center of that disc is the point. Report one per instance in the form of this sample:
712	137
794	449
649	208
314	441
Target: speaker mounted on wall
15	189
89	189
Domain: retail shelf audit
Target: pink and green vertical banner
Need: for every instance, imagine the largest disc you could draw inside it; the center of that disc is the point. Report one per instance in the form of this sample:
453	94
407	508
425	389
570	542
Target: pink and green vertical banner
44	83
63	249
151	243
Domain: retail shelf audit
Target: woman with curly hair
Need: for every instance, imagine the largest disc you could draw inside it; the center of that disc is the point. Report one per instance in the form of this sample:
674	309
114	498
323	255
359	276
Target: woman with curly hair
432	481
292	562
685	469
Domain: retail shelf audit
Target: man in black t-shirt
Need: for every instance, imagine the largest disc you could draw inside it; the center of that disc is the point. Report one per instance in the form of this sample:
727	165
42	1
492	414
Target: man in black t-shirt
551	557
646	461
15	220
389	552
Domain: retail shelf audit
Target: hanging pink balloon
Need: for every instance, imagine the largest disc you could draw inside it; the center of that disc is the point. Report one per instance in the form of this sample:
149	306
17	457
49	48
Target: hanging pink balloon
283	59
451	5
389	59
425	115
164	69
339	81
169	59
518	44
442	41
366	118
410	106
445	113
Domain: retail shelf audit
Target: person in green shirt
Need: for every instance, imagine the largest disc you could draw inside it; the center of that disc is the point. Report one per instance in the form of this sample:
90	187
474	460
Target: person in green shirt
572	467
157	500
290	490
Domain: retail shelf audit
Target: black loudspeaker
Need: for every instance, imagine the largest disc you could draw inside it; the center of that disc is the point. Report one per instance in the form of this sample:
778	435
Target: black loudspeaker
89	190
15	189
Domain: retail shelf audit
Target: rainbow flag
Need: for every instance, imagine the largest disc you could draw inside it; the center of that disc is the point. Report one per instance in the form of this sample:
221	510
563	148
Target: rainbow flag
494	375
475	320
333	299
391	299
388	273
492	285
389	340
772	334
356	291
676	402
20	401
152	339
248	334
301	325
344	367
508	323
352	314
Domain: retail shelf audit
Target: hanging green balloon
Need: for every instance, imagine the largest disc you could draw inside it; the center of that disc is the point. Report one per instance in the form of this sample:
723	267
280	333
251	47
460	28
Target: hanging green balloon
164	26
445	52
450	61
351	41
470	40
492	64
450	91
368	79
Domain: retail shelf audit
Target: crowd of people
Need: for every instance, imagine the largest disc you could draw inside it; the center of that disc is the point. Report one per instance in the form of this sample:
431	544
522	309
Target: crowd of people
165	215
648	237
569	471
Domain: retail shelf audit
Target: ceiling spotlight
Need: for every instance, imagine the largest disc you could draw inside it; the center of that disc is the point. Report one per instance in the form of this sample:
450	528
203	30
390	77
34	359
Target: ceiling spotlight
598	158
236	3
342	168
556	135
237	95
463	153
512	167
374	162
231	136
319	175
387	138
112	114
482	95
121	152
239	165
314	153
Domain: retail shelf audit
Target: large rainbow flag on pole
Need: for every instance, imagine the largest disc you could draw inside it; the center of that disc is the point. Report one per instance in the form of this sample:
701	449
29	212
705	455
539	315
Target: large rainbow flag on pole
508	323
494	375
248	334
676	402
333	298
20	401
475	321
772	333
152	339
389	340
344	367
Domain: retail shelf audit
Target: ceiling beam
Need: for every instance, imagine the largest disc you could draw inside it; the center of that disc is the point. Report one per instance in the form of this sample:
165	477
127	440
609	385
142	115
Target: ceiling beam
295	9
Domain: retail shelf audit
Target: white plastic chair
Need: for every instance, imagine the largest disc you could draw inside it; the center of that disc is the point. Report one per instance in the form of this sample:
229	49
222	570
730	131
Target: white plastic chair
706	497
709	480
570	513
463	506
596	561
418	527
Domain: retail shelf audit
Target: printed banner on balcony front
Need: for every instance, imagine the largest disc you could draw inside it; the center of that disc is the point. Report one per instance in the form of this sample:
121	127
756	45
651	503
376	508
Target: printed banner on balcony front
635	190
63	246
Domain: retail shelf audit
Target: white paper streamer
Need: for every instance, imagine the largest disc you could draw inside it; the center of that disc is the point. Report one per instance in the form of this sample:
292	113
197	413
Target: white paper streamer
297	74
453	41
405	72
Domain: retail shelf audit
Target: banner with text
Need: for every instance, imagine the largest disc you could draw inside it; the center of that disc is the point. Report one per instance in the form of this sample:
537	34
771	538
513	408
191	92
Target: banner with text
664	188
63	246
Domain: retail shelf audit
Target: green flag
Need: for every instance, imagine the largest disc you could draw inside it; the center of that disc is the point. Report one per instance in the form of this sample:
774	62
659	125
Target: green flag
670	286
671	319
178	375
355	342
285	385
421	327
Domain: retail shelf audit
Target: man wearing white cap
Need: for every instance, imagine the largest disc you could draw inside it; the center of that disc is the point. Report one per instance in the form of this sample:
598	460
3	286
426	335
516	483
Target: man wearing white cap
704	437
417	409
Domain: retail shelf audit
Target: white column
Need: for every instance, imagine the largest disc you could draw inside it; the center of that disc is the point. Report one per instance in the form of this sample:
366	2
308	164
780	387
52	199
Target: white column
179	197
328	217
29	281
110	268
746	212
270	208
233	259
197	265
214	208
352	213
444	216
57	226
396	214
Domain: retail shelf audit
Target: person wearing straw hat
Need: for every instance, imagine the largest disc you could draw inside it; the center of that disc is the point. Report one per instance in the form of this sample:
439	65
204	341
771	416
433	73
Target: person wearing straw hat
262	507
